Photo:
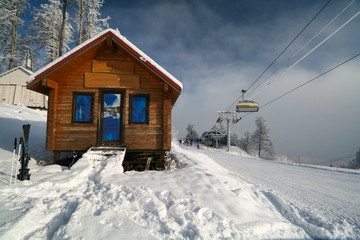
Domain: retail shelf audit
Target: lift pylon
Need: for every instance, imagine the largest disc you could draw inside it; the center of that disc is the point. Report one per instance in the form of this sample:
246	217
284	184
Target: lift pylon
229	117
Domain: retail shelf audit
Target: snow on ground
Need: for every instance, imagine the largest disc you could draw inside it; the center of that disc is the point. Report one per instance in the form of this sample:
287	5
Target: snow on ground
324	201
212	195
12	118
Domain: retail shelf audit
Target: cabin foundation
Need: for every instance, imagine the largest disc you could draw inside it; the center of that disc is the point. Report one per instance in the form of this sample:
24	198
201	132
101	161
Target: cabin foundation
144	160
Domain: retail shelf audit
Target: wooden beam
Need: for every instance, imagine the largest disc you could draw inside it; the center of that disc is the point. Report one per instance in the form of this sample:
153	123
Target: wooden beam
123	67
166	87
101	80
130	81
46	82
167	107
51	119
109	41
108	80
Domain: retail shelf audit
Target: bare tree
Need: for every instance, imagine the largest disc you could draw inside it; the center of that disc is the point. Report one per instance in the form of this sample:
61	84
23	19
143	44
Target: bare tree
245	142
88	19
234	139
191	132
64	22
355	164
261	139
50	29
11	19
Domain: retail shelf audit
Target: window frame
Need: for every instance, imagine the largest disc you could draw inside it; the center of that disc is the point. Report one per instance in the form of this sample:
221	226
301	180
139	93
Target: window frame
74	110
147	97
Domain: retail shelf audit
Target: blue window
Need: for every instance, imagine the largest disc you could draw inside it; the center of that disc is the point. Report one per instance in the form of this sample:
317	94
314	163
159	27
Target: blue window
83	107
139	108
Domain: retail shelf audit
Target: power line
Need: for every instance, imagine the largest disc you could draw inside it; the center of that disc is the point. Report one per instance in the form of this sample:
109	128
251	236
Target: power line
272	63
322	74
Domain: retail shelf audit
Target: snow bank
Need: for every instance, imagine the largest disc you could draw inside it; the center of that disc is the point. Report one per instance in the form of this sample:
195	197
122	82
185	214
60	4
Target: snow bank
200	200
187	203
322	201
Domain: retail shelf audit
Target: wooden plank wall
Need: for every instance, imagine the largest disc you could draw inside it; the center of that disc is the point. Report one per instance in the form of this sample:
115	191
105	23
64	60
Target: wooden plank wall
125	74
69	135
146	136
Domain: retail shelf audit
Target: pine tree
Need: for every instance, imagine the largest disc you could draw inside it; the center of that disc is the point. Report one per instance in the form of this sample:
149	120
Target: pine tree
51	30
11	14
88	19
261	139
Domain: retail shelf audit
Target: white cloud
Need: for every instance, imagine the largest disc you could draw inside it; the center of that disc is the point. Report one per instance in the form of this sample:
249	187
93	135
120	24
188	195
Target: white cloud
216	52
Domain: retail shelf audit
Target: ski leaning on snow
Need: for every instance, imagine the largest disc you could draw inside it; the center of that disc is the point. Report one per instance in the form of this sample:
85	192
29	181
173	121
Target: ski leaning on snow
25	158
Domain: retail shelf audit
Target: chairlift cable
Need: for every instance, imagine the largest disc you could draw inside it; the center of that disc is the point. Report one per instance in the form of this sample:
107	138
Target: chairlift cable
308	53
313	49
289	44
313	79
322	29
272	63
338	29
294	89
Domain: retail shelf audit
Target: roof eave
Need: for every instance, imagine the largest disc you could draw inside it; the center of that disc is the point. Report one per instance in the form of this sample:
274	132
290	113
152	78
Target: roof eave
137	53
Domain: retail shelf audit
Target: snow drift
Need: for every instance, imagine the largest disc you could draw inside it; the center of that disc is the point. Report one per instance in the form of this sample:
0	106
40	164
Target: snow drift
207	197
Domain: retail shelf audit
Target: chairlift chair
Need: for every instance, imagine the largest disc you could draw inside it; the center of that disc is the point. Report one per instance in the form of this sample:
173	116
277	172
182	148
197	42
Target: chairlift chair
247	105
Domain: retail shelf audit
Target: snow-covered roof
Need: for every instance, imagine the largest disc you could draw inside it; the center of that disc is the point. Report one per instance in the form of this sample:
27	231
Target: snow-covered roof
16	68
130	47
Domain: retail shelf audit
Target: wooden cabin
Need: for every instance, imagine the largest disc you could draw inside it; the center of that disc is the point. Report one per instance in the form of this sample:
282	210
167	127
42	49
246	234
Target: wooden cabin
13	89
107	92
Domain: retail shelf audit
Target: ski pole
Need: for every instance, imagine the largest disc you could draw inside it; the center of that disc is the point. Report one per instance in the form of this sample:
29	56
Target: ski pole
13	160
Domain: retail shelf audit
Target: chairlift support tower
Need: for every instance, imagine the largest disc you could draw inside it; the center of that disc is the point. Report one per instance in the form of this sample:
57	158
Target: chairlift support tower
230	117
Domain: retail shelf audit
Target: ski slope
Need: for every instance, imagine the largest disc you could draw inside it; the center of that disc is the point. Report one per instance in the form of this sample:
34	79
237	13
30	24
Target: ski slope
325	202
207	194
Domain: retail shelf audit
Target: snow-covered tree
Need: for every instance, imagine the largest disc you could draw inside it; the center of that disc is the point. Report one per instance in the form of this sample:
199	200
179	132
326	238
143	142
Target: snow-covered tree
88	19
65	27
51	30
234	139
191	132
355	164
245	142
261	139
11	14
219	128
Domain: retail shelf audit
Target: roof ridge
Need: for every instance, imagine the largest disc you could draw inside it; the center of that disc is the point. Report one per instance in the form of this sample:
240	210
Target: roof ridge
150	63
13	69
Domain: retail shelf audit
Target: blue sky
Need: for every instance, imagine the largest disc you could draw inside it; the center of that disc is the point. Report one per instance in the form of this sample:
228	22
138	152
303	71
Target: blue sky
216	48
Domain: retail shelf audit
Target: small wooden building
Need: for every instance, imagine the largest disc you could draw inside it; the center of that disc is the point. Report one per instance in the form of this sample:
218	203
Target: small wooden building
107	92
13	89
